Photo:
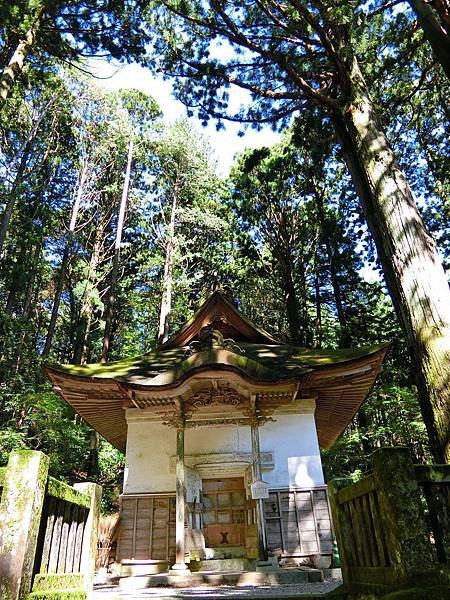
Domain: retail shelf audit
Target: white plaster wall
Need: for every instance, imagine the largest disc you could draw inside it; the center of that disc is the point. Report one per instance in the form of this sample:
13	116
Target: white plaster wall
149	448
292	439
297	456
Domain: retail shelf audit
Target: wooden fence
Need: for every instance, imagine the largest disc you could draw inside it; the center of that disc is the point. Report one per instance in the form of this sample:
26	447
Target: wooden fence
393	526
48	530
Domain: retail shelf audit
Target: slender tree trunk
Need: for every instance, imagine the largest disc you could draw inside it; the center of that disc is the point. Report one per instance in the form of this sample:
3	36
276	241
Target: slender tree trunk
436	33
85	318
166	300
115	265
22	159
27	305
92	470
318	301
291	303
15	65
344	338
12	193
11	300
65	262
412	268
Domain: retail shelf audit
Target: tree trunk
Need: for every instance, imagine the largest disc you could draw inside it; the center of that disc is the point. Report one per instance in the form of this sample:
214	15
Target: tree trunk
92	470
116	258
435	32
15	65
412	268
22	159
27	305
318	301
290	299
85	318
11	300
166	300
344	338
64	263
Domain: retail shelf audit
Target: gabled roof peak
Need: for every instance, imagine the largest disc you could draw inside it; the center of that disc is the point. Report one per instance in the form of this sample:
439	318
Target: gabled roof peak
219	313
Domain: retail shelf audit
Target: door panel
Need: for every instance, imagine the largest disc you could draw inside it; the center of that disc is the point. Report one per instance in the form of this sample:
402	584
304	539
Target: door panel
147	528
224	512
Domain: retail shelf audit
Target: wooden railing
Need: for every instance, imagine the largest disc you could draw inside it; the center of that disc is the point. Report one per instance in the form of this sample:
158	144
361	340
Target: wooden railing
48	530
393	526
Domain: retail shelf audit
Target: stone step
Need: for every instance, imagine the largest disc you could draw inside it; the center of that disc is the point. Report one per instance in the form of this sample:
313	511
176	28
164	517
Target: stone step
223	565
228	593
217	578
143	567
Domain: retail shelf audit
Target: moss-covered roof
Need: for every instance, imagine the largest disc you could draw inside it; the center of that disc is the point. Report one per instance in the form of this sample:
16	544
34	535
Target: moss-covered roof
259	361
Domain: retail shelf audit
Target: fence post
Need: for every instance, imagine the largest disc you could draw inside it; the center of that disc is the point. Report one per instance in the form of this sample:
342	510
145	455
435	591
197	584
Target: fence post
90	536
340	523
20	517
400	506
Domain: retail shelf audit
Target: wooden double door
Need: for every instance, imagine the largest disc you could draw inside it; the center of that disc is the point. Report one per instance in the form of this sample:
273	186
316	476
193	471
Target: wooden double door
224	512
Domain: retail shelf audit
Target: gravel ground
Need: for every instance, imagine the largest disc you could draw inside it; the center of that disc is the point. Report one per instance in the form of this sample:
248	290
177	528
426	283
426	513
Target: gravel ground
212	593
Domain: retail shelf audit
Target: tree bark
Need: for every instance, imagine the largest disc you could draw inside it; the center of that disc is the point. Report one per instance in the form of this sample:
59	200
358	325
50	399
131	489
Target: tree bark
166	300
115	265
15	65
64	262
436	33
412	268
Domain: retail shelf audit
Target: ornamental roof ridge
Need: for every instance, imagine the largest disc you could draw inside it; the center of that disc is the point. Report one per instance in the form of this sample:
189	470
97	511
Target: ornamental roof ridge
219	312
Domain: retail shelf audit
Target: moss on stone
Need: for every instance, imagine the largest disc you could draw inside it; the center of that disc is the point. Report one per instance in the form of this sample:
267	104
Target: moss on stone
440	592
68	594
23	496
2	475
57	581
63	491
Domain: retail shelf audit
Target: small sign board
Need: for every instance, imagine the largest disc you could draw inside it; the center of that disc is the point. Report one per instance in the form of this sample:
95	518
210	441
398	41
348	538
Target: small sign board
259	490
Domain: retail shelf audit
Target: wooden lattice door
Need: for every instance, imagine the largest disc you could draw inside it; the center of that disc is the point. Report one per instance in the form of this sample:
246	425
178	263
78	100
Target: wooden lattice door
224	512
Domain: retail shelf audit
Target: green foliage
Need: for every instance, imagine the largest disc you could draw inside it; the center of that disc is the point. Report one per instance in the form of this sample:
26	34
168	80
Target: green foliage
111	467
391	418
40	420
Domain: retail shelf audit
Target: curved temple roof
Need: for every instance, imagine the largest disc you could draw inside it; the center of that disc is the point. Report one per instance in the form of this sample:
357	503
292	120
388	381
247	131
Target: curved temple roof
279	376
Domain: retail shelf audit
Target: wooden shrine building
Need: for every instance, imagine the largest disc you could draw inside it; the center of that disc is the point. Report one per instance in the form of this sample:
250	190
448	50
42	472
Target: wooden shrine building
222	427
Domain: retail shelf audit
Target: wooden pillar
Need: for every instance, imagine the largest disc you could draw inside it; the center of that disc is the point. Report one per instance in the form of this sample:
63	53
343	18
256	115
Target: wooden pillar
20	517
180	566
256	459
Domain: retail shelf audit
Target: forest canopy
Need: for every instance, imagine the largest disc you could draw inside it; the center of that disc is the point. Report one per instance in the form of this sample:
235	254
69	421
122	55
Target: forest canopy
114	223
